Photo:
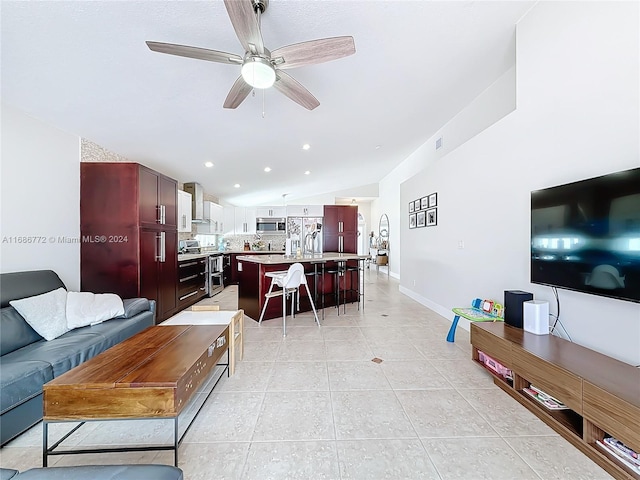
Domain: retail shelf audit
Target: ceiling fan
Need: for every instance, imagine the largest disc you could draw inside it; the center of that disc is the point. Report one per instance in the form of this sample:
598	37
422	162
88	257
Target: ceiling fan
260	67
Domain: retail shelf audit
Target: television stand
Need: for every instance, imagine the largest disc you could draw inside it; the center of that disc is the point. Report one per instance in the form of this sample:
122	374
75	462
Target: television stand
602	394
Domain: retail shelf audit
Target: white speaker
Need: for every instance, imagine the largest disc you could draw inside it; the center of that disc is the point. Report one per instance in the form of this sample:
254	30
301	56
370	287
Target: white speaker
536	317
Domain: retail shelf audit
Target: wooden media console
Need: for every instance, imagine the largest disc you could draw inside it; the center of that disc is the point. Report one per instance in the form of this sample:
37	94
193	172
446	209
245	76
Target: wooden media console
602	394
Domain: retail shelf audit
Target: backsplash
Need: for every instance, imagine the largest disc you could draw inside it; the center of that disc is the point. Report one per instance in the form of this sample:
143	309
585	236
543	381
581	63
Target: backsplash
236	242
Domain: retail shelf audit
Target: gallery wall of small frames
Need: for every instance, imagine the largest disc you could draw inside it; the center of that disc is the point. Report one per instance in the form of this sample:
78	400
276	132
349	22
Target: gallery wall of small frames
423	212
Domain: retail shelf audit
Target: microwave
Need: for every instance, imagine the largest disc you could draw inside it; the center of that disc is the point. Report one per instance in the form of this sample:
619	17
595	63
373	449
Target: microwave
271	225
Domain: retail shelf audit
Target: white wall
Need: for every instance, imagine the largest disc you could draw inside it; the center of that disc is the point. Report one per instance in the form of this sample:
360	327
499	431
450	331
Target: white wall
577	117
498	100
40	197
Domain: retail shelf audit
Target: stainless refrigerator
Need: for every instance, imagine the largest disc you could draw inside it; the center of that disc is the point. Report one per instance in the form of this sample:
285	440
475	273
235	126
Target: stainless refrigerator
305	233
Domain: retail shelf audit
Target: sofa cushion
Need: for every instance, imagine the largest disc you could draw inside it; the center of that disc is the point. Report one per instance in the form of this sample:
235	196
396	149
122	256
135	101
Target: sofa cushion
21	380
46	313
104	472
134	306
16	332
86	308
119	329
63	353
19	285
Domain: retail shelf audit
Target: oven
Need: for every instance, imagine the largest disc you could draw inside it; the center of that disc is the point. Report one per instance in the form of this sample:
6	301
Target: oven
215	282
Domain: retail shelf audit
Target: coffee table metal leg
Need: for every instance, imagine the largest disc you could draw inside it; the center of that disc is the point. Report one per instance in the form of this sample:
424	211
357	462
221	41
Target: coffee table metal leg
176	441
45	428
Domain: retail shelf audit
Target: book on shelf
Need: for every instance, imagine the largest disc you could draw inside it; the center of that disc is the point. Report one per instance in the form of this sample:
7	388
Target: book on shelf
625	460
544	399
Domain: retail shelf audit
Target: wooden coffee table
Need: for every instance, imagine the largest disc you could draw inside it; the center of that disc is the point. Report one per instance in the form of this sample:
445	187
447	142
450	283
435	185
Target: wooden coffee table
151	375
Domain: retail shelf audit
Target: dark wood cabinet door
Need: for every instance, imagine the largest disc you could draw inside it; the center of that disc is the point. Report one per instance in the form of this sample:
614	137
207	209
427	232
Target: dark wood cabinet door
330	222
168	198
350	242
349	218
330	243
149	253
148	197
168	276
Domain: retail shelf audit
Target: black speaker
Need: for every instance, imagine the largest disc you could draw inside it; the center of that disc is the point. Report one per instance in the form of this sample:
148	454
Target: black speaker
513	300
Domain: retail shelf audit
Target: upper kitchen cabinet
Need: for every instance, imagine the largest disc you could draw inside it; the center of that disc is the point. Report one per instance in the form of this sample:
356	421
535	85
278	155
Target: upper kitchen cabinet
229	221
271	212
128	213
305	211
184	212
213	219
245	220
158	199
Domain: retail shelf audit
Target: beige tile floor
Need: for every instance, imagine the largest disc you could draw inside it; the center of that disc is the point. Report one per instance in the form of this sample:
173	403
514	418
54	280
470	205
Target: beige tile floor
314	406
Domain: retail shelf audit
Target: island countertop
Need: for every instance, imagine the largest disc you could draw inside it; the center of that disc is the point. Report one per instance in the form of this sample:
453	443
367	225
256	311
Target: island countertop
278	259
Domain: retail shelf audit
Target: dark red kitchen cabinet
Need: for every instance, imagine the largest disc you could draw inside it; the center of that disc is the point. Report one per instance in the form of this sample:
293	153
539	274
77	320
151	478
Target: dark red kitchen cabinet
128	220
340	229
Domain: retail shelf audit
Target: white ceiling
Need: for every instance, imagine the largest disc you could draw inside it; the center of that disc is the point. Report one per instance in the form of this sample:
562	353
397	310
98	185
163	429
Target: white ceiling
83	66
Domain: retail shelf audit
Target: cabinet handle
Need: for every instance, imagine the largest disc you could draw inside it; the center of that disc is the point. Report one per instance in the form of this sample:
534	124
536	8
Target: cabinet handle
188	295
187	264
158	254
163	247
186	279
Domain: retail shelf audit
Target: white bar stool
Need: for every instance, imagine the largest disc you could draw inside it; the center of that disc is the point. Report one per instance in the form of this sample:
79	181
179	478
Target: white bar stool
290	283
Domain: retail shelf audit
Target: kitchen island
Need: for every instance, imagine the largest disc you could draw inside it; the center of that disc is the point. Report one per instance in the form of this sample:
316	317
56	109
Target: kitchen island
253	282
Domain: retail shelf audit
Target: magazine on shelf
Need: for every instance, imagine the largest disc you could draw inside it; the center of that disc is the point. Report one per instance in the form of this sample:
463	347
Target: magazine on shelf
619	456
621	448
545	399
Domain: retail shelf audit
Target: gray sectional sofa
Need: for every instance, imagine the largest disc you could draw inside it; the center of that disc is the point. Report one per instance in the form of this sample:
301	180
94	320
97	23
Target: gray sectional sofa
27	361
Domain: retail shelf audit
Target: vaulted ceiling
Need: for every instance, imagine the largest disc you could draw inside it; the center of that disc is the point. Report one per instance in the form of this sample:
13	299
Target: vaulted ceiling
84	67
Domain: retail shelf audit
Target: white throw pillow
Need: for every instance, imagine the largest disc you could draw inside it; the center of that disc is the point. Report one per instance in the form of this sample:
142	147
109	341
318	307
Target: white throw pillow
45	313
86	308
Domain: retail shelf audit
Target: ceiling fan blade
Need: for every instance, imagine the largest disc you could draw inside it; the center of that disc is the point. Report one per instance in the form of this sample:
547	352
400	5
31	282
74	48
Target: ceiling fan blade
238	93
195	52
290	87
245	23
314	51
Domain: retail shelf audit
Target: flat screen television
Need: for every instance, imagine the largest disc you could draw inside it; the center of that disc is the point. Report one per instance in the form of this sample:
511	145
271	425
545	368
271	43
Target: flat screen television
585	236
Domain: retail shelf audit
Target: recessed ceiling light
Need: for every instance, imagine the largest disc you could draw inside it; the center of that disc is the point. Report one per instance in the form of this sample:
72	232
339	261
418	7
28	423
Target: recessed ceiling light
306	146
267	169
237	185
307	172
208	164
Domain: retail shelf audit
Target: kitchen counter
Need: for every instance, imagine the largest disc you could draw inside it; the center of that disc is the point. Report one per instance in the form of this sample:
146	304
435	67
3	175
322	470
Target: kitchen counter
191	256
255	252
253	281
278	259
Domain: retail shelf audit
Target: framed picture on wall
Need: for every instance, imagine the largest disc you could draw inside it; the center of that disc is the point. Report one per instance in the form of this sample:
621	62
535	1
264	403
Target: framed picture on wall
424	203
412	220
416	205
411	207
433	200
432	217
420	219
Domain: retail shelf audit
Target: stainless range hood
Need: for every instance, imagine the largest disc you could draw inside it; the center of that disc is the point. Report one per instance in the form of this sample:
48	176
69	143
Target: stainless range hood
197	201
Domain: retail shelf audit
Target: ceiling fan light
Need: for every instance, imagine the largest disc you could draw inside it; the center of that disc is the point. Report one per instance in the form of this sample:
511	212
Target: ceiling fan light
258	72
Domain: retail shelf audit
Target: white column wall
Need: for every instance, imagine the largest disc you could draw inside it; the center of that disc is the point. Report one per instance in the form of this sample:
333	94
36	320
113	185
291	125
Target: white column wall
40	198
